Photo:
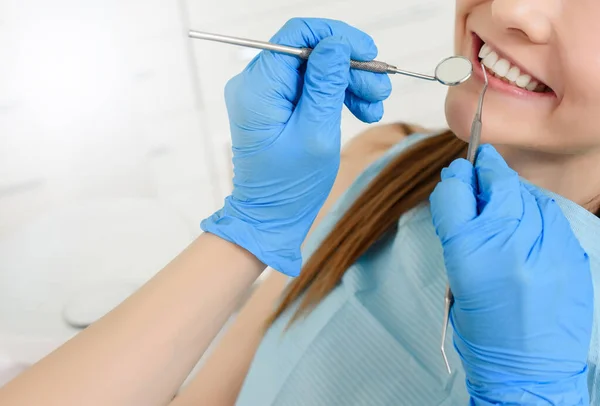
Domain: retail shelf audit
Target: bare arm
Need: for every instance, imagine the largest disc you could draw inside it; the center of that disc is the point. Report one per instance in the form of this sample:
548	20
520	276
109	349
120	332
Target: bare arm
219	381
148	345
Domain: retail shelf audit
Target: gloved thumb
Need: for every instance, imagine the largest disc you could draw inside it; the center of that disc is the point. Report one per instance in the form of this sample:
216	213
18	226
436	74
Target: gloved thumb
325	83
453	203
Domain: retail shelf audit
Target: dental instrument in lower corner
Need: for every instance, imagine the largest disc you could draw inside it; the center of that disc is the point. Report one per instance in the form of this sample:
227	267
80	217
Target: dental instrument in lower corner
474	141
451	71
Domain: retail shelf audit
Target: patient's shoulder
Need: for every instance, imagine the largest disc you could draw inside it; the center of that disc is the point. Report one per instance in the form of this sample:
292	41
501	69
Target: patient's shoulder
376	140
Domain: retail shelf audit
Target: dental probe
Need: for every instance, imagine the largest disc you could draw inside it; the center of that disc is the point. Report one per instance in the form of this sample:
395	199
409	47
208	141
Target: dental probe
474	141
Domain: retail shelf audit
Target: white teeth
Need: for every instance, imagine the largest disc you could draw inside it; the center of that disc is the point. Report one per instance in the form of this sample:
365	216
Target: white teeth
485	51
532	85
513	74
491	59
501	67
523	80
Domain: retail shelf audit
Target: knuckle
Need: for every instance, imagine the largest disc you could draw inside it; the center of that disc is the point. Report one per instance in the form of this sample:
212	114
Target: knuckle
385	91
239	97
450	182
367	40
295	23
232	87
334	58
328	71
437	191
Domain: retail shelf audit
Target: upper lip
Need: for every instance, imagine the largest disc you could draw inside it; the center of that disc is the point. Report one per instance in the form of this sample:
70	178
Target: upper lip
504	55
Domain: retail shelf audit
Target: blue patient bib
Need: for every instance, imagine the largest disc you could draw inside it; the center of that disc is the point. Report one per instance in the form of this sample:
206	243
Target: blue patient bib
375	340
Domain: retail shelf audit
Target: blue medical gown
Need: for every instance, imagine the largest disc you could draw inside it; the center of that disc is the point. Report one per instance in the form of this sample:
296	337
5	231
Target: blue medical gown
375	339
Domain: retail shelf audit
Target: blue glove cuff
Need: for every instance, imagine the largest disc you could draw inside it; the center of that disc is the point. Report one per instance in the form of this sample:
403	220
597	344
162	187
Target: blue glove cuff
228	224
569	392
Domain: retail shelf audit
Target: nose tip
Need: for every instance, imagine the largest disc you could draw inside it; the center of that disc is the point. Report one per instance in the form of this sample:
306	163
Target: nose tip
530	18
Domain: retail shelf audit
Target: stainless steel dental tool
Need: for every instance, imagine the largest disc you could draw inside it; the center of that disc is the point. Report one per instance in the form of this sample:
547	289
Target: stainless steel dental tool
474	141
451	71
476	126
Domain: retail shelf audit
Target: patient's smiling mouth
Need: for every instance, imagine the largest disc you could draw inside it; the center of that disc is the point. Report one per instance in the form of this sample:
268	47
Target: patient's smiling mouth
505	74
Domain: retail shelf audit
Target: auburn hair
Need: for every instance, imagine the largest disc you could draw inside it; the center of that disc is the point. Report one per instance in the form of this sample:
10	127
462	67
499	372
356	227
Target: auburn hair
403	184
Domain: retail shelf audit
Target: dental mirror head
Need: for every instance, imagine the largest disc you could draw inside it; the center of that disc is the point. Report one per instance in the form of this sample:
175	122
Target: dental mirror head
454	70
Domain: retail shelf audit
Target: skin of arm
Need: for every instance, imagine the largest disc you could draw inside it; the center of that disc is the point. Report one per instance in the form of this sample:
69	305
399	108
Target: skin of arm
141	352
220	379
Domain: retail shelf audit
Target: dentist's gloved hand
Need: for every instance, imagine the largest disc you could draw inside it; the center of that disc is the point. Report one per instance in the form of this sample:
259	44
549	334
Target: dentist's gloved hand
285	117
522	286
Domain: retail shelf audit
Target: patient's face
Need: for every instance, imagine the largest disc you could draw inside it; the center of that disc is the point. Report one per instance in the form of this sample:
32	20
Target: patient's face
543	62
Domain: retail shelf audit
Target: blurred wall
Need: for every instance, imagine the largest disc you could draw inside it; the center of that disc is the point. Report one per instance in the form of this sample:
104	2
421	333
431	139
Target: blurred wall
114	137
106	99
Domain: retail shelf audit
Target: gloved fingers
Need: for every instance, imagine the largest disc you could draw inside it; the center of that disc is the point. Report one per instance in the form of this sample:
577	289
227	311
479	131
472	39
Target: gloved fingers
286	70
365	111
499	195
366	91
308	32
453	201
278	79
263	94
532	210
570	271
529	230
369	86
325	84
551	216
555	226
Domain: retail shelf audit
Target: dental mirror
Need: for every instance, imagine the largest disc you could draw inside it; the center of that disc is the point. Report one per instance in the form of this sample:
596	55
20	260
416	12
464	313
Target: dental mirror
454	70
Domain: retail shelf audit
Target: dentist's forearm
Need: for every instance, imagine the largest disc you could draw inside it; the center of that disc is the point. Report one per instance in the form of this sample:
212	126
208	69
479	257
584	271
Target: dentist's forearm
141	352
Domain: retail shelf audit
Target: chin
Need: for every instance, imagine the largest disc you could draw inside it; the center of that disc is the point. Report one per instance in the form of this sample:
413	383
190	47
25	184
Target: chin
497	129
504	132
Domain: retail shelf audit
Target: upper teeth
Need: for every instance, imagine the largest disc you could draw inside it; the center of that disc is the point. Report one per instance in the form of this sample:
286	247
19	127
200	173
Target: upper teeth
504	69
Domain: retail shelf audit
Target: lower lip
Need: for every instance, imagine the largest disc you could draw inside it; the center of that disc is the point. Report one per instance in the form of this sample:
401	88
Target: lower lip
498	84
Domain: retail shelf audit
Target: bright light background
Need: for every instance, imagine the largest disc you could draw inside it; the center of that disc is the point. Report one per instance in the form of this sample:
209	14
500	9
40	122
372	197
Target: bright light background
114	137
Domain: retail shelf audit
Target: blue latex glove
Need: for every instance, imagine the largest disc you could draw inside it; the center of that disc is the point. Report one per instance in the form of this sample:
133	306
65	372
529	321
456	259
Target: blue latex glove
522	285
285	117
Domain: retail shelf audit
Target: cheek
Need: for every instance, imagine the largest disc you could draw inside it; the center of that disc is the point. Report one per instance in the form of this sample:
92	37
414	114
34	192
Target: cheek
460	108
457	113
577	118
463	9
462	6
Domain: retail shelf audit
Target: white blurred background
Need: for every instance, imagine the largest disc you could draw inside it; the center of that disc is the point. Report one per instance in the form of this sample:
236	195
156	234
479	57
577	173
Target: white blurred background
114	139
